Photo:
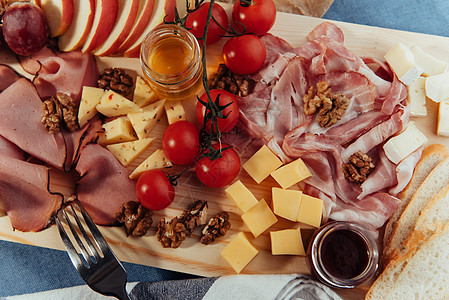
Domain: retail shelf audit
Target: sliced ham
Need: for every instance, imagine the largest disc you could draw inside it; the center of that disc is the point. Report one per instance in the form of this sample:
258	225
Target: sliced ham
25	195
104	185
328	30
9	149
7	76
20	122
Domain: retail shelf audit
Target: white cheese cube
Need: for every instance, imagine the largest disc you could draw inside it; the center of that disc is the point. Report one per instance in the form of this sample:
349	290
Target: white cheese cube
144	121
402	62
429	64
417	97
175	111
143	94
157	160
437	87
117	131
126	152
443	119
90	98
402	145
113	104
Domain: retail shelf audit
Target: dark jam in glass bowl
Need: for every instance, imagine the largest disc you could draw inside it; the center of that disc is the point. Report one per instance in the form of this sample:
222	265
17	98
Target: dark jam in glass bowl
343	254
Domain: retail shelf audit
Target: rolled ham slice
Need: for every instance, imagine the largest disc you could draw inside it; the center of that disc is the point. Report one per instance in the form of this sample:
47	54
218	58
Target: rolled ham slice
104	185
20	122
25	195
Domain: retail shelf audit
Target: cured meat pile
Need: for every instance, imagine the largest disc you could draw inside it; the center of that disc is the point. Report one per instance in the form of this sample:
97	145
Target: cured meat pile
28	150
274	114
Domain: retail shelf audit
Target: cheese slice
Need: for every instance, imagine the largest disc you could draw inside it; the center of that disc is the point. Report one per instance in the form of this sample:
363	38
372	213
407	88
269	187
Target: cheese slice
175	111
128	151
90	98
310	210
113	104
259	218
241	196
429	64
402	145
402	62
157	160
145	120
261	164
286	203
437	87
291	173
239	252
287	242
417	97
117	131
443	119
143	94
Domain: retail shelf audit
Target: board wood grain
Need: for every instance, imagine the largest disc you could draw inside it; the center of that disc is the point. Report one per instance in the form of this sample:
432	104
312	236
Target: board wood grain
193	257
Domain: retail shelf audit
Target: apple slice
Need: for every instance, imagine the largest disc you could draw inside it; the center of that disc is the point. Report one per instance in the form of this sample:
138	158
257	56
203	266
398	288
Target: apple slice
127	12
158	17
76	34
106	12
59	14
143	18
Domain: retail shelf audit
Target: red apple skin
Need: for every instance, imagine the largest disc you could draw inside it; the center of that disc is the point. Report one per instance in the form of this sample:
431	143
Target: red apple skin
123	25
104	21
59	23
140	25
82	20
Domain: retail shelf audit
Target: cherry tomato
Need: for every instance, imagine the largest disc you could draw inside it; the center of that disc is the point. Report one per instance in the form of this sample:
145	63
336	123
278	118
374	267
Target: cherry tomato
258	17
197	21
244	54
232	111
180	142
221	171
154	190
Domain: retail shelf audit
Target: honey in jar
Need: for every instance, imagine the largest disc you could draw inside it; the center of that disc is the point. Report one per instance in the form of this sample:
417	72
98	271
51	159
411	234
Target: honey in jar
171	61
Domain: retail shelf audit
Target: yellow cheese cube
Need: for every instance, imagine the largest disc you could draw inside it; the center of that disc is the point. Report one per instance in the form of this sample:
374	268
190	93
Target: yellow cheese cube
113	104
157	160
145	120
90	98
310	210
126	152
143	94
261	164
175	111
259	218
291	173
443	119
117	131
239	252
288	241
241	196
286	203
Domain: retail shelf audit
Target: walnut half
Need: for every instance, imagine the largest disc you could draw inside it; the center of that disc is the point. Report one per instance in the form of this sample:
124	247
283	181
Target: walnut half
358	168
171	234
136	218
216	227
194	216
58	111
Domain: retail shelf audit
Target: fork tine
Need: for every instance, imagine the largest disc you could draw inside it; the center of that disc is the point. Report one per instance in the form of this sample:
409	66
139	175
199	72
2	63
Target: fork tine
73	254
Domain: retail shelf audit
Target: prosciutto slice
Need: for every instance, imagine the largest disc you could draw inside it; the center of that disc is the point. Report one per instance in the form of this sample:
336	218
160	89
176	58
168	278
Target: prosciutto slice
20	122
7	76
104	185
25	195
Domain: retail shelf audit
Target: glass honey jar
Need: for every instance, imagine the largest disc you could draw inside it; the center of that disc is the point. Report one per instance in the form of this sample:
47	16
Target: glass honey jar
170	58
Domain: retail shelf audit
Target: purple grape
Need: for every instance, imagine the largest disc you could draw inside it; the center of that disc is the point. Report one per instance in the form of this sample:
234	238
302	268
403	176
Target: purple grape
25	28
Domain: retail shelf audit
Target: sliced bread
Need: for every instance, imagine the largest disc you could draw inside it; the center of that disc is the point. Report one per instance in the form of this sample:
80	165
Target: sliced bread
430	158
420	273
435	212
434	183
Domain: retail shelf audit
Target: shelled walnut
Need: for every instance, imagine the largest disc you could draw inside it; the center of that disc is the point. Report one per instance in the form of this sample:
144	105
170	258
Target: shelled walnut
226	80
136	218
117	80
216	227
194	216
60	110
330	107
358	168
171	234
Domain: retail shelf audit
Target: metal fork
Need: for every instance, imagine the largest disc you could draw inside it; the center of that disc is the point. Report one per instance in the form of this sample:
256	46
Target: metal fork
96	263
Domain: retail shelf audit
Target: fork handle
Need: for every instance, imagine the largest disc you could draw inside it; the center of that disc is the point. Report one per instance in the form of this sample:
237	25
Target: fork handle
121	294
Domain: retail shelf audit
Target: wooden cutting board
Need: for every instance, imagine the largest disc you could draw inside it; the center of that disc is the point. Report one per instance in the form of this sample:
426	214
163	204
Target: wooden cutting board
193	257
